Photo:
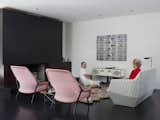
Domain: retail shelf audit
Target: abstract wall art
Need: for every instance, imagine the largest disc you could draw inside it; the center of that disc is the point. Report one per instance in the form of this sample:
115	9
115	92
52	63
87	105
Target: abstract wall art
112	47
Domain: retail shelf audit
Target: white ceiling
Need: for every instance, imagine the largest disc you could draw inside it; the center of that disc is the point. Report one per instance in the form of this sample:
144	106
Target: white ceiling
75	10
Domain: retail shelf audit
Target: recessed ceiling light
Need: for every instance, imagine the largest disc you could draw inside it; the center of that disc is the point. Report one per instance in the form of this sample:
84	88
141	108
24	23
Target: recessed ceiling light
132	11
37	9
100	15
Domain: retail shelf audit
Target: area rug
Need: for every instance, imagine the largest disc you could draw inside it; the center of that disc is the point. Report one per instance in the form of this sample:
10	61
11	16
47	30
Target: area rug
97	94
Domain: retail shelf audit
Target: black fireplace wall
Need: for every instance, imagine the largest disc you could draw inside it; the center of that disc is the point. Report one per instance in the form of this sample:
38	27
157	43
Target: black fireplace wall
1	38
30	39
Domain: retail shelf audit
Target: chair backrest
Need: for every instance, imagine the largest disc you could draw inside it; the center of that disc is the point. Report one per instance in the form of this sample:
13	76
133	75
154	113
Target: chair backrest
66	87
25	78
146	81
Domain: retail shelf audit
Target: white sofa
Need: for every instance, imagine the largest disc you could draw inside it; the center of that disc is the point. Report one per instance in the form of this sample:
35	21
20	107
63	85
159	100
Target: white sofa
130	93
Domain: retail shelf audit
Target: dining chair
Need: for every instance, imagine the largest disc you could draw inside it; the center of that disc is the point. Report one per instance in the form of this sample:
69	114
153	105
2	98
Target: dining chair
67	89
27	81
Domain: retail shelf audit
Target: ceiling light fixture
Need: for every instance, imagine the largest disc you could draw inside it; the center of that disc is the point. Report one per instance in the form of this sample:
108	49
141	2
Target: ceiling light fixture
132	11
37	9
100	15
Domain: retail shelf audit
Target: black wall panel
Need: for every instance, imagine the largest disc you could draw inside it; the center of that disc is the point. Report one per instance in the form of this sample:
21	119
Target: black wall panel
30	39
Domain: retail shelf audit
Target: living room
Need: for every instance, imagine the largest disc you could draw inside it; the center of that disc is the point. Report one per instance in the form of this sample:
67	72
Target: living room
46	45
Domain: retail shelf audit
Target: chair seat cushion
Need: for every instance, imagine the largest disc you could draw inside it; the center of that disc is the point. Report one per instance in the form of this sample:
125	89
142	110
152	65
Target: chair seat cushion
84	95
42	86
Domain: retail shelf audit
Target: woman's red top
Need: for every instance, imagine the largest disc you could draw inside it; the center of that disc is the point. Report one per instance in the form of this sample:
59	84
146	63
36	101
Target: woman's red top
134	73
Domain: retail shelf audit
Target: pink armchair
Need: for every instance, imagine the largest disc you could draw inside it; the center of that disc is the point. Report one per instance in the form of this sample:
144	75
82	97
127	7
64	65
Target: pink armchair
27	81
67	89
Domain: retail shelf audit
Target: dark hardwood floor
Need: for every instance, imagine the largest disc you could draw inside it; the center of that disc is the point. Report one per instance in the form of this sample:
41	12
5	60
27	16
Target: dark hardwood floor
21	109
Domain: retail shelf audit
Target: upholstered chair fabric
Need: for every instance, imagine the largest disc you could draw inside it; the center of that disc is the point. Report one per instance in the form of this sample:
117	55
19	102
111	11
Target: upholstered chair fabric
27	81
67	89
132	92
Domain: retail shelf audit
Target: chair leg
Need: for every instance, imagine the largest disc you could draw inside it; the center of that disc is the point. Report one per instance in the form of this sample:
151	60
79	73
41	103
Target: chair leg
44	99
50	99
52	103
54	108
17	95
75	108
88	106
32	98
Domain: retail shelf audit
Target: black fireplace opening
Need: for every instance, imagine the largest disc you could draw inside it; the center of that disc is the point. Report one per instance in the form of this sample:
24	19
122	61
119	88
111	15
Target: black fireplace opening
38	70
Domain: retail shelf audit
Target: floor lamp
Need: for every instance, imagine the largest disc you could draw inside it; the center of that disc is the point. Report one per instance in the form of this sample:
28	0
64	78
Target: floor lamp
149	58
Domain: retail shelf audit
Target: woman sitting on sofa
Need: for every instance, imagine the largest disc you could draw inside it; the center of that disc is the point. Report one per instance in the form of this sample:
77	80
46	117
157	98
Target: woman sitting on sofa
136	65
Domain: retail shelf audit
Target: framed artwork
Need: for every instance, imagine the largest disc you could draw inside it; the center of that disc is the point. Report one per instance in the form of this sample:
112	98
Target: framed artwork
112	47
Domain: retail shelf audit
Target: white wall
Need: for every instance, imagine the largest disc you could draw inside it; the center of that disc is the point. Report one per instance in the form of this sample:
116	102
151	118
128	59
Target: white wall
66	41
143	40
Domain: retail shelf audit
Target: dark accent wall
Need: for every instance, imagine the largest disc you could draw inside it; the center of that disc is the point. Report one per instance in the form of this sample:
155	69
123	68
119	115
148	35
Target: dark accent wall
1	37
30	39
1	52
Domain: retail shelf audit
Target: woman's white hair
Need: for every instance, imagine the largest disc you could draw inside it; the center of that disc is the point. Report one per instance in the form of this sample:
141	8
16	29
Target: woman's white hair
137	62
